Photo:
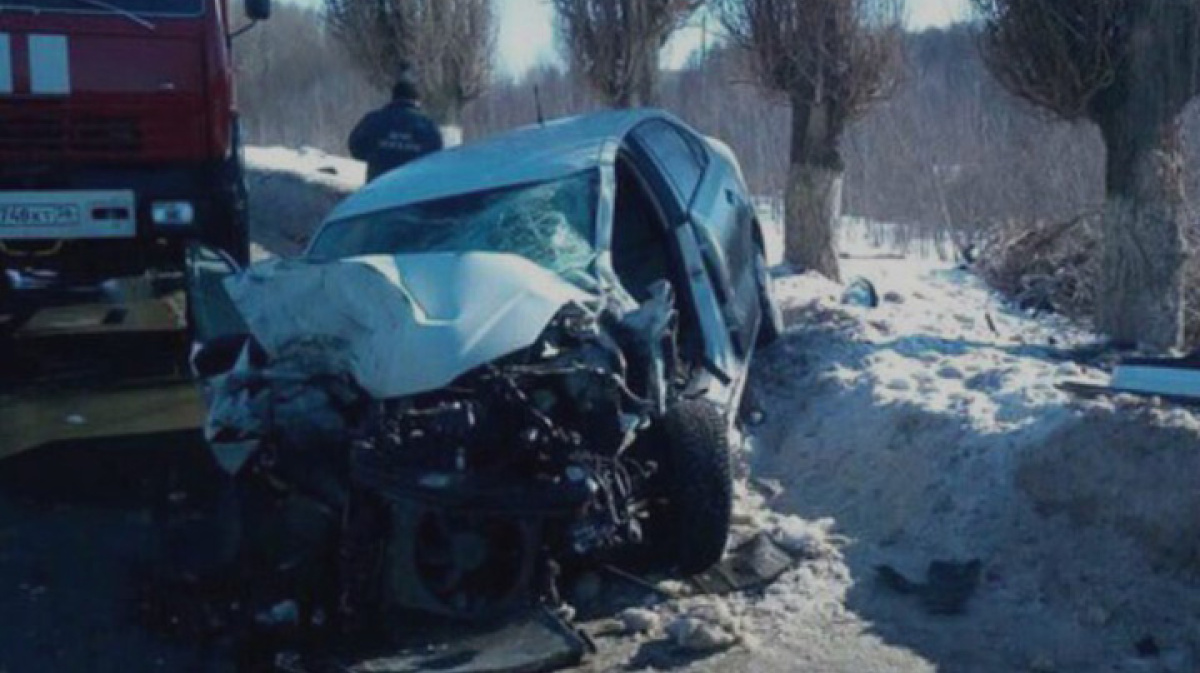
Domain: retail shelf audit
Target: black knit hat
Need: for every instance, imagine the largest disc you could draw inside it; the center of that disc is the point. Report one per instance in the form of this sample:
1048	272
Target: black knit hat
405	89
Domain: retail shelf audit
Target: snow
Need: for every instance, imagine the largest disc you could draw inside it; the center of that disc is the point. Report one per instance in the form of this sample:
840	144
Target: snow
291	193
931	428
312	164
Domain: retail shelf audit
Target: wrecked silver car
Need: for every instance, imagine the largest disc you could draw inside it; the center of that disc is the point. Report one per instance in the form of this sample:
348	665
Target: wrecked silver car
495	365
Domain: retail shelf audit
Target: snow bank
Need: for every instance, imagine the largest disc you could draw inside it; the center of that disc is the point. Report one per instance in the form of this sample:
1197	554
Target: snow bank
291	192
930	428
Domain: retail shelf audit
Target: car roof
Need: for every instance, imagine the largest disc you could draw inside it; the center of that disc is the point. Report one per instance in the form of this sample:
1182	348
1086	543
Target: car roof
530	154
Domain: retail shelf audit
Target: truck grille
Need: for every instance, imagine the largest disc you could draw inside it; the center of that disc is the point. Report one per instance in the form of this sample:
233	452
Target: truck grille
48	137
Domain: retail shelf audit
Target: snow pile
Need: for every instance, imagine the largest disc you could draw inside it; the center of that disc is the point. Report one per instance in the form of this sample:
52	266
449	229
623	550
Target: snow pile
859	237
931	429
291	192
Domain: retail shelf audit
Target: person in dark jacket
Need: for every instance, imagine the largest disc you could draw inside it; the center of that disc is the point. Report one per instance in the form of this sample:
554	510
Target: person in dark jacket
395	134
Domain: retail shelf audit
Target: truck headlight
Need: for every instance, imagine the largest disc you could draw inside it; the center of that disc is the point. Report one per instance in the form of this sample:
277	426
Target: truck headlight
172	213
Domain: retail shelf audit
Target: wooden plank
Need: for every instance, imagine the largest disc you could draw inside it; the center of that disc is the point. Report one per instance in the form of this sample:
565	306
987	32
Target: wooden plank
165	314
37	418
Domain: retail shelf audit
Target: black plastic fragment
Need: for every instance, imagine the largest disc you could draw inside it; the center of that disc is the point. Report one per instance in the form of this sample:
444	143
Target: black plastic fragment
753	565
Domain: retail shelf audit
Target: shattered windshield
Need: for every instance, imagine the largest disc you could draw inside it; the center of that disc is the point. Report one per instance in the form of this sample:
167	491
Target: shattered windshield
550	223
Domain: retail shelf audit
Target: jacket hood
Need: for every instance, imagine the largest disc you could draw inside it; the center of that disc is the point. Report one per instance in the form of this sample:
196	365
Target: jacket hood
403	324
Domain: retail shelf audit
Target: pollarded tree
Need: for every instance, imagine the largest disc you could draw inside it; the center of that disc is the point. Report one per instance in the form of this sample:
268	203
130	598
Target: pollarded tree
615	44
446	45
1129	67
831	60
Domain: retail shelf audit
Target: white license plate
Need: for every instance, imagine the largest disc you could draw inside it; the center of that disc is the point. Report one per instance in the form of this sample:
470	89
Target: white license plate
67	215
33	215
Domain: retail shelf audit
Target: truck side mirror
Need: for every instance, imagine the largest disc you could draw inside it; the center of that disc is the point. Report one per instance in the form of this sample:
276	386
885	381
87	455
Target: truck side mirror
258	10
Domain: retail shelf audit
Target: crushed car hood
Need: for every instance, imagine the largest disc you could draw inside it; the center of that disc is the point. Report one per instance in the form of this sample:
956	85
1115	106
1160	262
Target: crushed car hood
403	324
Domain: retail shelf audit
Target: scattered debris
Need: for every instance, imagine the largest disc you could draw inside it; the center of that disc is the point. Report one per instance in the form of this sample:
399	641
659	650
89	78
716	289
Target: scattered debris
947	588
668	589
752	565
1147	647
1174	379
991	323
861	292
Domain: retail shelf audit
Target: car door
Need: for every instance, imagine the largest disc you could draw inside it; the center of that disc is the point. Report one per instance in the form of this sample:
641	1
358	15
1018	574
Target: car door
718	216
677	171
723	217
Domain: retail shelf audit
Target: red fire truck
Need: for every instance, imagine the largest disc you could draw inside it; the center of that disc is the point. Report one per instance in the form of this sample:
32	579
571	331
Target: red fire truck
119	137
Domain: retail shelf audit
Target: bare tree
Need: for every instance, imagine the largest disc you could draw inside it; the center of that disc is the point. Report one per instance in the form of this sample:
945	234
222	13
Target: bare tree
615	44
831	60
447	46
1129	67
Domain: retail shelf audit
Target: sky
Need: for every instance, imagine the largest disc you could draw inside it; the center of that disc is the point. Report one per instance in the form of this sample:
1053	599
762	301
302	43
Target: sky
527	31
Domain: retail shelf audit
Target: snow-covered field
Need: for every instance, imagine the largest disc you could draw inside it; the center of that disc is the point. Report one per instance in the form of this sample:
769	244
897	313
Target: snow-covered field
927	429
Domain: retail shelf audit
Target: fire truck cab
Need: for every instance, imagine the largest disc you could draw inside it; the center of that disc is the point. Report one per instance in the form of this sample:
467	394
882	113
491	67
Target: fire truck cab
119	139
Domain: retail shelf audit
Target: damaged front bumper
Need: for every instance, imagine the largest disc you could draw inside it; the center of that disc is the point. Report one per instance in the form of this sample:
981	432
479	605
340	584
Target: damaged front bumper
473	418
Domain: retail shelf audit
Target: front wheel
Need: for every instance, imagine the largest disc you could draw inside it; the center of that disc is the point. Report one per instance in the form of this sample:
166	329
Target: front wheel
697	480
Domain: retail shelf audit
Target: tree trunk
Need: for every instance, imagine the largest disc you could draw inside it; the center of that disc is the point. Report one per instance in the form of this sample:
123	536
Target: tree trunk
1140	294
641	88
813	202
646	84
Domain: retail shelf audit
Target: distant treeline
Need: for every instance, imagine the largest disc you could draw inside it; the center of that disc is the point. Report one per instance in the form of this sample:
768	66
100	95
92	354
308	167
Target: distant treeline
949	150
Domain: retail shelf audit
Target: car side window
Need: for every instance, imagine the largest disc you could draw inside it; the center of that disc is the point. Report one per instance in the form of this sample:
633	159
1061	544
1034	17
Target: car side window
680	157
